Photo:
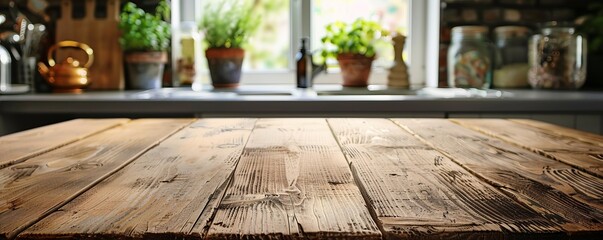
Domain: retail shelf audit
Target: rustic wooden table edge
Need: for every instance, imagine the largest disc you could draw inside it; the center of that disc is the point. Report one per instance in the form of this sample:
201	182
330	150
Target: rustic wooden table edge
344	178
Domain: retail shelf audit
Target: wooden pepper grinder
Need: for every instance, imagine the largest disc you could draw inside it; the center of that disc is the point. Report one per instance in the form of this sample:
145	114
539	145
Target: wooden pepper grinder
398	74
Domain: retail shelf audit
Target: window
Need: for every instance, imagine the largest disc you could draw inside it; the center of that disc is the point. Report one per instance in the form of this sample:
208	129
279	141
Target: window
271	52
391	14
269	47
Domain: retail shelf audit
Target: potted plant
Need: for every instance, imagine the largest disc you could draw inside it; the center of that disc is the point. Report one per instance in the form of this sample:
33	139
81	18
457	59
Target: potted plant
145	39
353	47
592	27
227	27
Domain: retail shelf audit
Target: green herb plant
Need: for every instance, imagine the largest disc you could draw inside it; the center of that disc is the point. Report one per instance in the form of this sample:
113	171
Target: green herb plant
141	31
358	38
228	24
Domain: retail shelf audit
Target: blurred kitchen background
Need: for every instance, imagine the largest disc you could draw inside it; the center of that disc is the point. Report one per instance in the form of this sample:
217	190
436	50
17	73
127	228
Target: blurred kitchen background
29	27
272	51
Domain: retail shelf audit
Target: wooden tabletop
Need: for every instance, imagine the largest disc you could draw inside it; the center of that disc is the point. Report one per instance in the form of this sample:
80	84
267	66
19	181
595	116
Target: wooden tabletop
302	178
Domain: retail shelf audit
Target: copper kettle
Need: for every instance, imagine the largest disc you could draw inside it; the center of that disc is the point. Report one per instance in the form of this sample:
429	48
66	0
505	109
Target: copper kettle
68	76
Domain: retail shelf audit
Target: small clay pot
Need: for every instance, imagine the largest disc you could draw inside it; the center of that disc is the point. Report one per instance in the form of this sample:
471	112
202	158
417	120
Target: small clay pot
145	69
355	69
225	66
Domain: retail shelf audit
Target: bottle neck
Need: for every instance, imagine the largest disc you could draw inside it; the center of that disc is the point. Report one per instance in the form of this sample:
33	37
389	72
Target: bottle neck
303	45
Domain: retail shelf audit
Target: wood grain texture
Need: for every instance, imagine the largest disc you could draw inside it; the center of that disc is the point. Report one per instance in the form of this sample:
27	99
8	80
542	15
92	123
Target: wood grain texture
568	132
586	156
160	195
30	191
292	181
567	196
19	147
418	193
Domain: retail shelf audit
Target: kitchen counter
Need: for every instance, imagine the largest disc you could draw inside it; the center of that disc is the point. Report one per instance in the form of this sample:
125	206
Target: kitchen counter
285	101
304	178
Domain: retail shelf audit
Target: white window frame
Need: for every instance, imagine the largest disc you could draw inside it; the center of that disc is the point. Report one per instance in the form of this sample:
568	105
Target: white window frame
423	43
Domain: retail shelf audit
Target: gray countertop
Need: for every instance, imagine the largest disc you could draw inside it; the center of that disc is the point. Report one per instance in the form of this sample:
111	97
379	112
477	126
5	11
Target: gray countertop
253	100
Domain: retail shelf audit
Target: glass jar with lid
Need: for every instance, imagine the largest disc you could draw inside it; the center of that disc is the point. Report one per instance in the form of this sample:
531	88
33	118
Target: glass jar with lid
557	58
511	70
470	58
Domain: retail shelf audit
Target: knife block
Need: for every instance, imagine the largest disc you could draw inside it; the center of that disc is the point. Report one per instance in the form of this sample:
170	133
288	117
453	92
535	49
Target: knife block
101	34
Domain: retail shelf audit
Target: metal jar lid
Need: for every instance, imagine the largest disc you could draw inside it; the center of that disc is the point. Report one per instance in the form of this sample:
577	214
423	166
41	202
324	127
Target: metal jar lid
469	31
512	31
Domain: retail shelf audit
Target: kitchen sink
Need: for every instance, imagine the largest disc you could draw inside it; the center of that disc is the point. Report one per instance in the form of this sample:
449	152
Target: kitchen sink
365	91
178	93
319	91
322	91
254	92
243	92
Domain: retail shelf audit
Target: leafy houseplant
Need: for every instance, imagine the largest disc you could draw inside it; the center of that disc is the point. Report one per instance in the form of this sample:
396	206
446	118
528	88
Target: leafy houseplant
353	46
227	27
145	39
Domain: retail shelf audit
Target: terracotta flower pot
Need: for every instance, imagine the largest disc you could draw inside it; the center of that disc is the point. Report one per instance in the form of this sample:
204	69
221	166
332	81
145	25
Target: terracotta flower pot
145	69
355	69
225	66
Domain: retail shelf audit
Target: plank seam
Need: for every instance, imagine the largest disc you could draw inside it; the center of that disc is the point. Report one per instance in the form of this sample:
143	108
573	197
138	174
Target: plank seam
300	228
225	186
55	208
43	151
361	187
221	190
534	150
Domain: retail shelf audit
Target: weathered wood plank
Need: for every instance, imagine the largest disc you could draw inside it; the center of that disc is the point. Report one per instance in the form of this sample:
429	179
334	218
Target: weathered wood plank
567	196
162	193
586	156
19	147
31	190
568	132
418	193
292	181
